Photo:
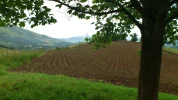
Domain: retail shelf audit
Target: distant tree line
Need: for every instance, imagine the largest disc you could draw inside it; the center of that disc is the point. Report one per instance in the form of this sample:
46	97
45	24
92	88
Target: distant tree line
116	37
134	37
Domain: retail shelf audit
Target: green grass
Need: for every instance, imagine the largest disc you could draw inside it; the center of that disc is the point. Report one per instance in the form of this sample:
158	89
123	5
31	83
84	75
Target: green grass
16	59
171	50
36	86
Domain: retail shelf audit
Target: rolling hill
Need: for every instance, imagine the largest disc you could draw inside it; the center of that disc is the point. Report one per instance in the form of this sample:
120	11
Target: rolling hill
75	39
18	38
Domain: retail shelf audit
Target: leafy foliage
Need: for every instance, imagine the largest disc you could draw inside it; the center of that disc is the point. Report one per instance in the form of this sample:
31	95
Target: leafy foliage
117	16
99	40
176	37
113	17
17	12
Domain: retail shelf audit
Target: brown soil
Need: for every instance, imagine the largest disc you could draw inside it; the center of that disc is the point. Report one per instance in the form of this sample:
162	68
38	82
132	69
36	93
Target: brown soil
118	63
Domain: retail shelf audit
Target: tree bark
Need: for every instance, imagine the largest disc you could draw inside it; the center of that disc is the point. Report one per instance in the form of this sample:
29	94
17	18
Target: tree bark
150	64
151	50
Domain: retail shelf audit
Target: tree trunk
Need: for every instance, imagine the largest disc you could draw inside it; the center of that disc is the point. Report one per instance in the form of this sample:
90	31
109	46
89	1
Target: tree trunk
151	50
149	74
150	63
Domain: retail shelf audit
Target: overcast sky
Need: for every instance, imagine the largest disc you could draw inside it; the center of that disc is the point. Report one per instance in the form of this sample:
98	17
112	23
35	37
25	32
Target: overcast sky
66	26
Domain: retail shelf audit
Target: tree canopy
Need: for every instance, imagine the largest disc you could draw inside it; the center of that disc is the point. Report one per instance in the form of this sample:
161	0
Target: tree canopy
113	16
119	16
18	12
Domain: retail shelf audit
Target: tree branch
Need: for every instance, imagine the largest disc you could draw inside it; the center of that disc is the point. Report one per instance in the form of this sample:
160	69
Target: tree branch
137	6
173	2
86	12
126	12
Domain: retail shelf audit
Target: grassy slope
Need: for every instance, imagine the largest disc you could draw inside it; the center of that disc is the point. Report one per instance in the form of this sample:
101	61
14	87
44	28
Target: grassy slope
19	86
35	86
16	59
172	50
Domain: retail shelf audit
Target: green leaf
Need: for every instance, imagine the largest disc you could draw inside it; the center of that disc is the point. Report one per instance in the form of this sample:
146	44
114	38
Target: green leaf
19	9
93	23
2	24
94	7
22	24
23	15
87	17
69	11
82	1
59	5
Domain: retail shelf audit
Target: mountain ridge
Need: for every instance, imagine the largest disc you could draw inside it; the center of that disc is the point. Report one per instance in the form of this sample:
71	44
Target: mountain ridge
19	38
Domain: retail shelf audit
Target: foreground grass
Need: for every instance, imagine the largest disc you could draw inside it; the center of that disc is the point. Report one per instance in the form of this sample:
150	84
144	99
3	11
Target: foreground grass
35	86
21	86
14	60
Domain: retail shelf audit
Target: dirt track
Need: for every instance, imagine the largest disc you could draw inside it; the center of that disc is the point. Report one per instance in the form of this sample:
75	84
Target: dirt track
117	64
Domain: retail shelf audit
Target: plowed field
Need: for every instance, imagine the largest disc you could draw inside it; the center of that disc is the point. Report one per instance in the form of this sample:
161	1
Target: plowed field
118	63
